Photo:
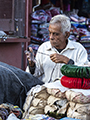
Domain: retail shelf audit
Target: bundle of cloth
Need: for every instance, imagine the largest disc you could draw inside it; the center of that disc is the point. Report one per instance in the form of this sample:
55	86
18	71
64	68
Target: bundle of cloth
77	77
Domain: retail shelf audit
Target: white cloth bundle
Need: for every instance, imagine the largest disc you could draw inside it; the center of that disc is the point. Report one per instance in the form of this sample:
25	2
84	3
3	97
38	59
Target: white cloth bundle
77	97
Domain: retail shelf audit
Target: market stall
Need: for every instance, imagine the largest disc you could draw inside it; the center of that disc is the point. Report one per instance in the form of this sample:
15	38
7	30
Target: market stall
65	98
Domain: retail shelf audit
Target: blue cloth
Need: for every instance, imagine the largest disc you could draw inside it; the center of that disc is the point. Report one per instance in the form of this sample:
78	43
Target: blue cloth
14	84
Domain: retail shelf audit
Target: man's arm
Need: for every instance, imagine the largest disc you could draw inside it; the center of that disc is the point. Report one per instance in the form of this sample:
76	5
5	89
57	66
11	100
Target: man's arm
57	58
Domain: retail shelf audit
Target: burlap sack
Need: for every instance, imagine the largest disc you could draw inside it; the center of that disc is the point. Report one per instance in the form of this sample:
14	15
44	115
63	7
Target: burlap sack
42	94
63	109
77	97
83	108
51	99
56	92
27	102
49	108
80	108
39	102
73	114
36	110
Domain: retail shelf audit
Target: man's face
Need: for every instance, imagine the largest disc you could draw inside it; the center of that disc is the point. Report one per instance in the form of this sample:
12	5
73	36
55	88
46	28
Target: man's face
57	39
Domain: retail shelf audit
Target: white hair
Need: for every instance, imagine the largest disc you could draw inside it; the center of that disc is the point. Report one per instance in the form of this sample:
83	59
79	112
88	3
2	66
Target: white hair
64	22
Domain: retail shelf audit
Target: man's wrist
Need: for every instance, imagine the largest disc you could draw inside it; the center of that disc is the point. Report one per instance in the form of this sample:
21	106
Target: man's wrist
66	60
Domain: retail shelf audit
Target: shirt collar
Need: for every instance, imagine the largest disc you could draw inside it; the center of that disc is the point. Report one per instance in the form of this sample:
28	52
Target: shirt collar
70	45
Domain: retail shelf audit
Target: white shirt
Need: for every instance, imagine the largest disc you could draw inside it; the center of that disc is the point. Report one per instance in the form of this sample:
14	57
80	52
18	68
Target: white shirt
47	70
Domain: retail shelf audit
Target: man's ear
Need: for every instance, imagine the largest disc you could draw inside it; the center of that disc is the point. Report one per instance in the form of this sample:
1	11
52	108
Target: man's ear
67	34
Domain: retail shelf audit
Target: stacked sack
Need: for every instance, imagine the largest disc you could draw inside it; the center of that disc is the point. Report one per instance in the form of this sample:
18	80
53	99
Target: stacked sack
77	77
79	105
48	101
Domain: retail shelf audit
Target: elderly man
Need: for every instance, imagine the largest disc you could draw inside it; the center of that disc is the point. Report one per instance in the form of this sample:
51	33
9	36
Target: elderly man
52	54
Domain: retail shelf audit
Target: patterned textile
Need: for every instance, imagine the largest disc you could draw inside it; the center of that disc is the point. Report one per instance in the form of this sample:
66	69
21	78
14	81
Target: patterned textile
6	109
3	114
